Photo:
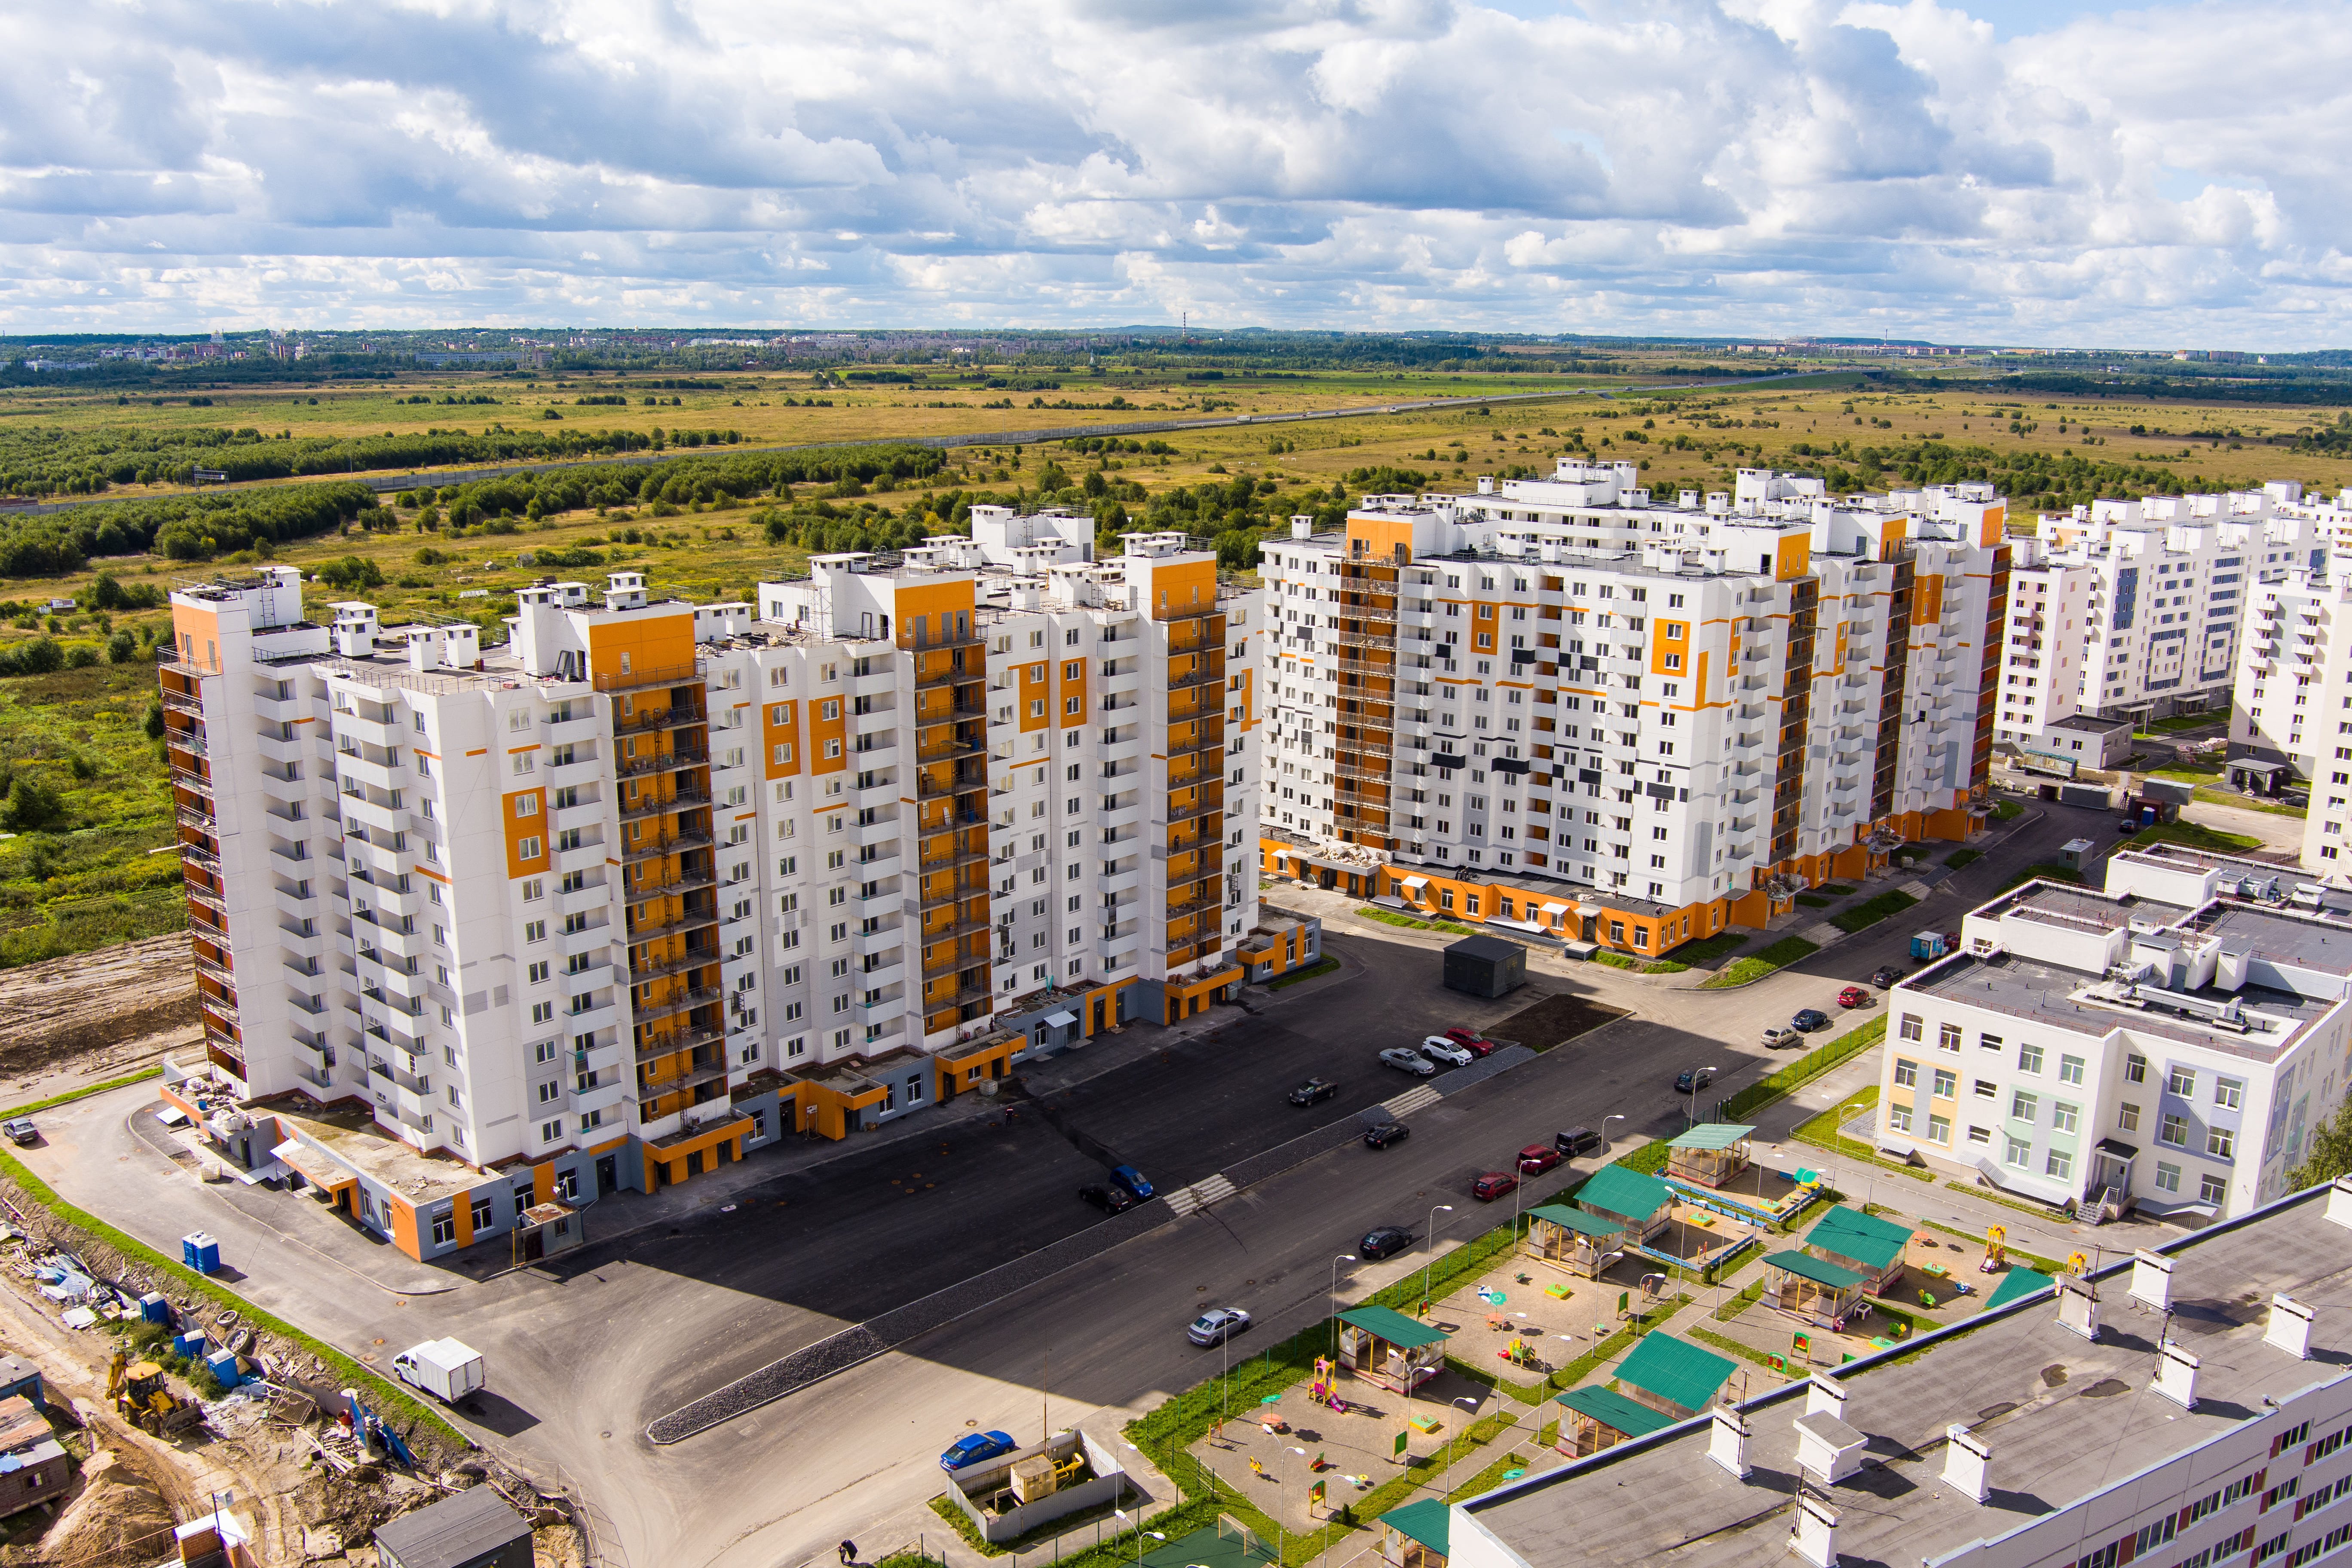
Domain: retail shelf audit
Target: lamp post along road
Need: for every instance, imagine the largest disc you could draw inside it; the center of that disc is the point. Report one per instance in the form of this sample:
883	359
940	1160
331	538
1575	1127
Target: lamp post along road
1342	1258
1429	1248
1690	1117
1613	1116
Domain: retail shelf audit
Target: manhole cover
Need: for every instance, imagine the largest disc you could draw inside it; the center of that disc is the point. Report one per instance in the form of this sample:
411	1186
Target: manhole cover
972	1422
2107	1388
2053	1374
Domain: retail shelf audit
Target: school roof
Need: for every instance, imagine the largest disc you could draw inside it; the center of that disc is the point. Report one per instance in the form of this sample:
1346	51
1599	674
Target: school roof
1613	1409
1675	1370
1388	1323
2016	1282
1713	1135
1427	1521
1616	1190
1872	1242
1578	1220
1805	1266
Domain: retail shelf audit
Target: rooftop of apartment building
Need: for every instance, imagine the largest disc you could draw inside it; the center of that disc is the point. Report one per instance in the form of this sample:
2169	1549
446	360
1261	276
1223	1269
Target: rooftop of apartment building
2039	1397
348	1131
2222	974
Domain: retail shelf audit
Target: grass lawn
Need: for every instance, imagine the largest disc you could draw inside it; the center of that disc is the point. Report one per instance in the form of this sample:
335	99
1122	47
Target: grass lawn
2237	802
1390	918
2007	811
82	871
2184	721
2198	837
1706	950
1834	889
1869	914
1615	960
1814	901
1740	972
1960	858
1320	966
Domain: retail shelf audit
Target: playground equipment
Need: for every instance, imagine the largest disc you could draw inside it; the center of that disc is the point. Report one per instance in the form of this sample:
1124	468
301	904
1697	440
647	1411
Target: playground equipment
1996	1249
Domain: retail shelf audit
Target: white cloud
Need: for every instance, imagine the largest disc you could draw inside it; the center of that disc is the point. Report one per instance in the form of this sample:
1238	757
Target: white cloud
2157	177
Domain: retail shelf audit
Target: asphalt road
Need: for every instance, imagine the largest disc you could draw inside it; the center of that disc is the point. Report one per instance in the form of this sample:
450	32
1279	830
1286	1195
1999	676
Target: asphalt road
581	1359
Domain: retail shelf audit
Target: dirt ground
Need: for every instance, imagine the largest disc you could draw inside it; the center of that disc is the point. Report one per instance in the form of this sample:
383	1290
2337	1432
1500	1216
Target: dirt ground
95	1015
1543	1025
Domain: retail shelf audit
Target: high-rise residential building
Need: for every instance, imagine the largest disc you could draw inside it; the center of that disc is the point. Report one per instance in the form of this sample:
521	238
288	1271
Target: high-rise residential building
655	883
2135	608
1557	705
2292	721
2171	1043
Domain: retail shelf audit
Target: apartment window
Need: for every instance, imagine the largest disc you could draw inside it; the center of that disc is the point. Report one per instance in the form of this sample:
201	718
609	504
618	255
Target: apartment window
1898	1117
2063	1116
2059	1164
2028	1058
1906	1074
2172	1131
2220	1141
2214	1190
526	848
542	1011
1947	1038
1944	1084
2127	1117
1912	1027
1939	1129
2167	1178
2024	1107
2183	1081
445	1229
551	1131
2228	1092
522	763
2070	1069
2018	1152
533	891
2135	1069
526	805
482	1211
534	930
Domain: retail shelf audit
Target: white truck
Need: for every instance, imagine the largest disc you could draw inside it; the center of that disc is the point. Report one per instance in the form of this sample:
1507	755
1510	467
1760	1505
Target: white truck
446	1369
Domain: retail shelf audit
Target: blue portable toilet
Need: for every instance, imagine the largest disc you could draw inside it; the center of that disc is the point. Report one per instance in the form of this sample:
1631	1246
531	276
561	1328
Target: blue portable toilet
222	1365
189	1345
200	1252
153	1309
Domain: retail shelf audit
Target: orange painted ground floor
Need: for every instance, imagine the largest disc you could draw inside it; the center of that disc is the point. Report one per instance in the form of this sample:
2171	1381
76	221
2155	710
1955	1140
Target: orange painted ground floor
1573	912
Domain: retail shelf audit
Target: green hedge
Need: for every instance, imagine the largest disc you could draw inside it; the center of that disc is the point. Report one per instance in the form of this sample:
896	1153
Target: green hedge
1803	1071
141	1075
1780	954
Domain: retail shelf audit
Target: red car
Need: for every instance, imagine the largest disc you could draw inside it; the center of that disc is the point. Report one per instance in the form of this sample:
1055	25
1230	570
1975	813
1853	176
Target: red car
1492	1185
1474	1043
1853	997
1538	1157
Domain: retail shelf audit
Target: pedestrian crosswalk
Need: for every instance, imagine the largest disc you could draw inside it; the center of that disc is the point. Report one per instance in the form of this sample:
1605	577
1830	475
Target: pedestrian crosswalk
1201	1194
1410	1101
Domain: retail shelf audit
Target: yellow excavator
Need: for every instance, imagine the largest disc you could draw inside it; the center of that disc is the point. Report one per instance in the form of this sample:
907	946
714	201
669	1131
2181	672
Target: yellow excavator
138	1391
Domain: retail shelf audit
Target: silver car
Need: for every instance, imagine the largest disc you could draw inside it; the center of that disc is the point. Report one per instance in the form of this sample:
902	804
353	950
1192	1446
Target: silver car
1216	1324
1403	1060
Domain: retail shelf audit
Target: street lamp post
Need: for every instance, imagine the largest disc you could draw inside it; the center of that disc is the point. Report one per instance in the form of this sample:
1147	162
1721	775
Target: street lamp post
1471	1402
1613	1116
1140	1535
1429	1248
1343	1258
1690	1117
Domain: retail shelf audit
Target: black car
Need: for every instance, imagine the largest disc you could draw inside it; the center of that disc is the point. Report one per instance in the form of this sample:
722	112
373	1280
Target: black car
1577	1140
1811	1019
1313	1090
1386	1133
1386	1242
1110	1200
1693	1079
1885	975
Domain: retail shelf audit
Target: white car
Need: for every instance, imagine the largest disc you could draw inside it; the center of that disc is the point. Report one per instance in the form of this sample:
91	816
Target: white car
1403	1060
1438	1048
1778	1034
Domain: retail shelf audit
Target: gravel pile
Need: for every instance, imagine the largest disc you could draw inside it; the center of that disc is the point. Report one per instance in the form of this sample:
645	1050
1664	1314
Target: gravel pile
808	1364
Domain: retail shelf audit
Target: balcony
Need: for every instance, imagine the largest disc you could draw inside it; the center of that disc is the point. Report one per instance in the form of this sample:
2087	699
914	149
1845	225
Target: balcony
652	805
670	1042
677	716
693	958
653	845
675	925
192	782
685	881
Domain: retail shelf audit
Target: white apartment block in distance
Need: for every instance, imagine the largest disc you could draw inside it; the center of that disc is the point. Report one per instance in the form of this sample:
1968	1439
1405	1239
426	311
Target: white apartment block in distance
2135	608
2169	1044
1560	706
2293	714
656	882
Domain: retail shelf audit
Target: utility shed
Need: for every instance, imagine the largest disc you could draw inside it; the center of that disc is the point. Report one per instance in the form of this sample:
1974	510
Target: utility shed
1485	966
1710	1154
474	1529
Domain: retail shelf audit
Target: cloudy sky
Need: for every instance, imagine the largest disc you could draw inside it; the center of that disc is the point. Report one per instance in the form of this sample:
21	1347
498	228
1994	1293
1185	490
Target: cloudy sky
2002	170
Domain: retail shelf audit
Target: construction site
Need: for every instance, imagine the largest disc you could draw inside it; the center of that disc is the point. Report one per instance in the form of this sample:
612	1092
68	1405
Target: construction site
169	1409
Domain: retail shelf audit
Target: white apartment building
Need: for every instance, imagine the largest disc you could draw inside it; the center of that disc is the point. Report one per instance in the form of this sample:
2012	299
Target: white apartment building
2294	705
1557	705
2169	1043
656	882
2136	608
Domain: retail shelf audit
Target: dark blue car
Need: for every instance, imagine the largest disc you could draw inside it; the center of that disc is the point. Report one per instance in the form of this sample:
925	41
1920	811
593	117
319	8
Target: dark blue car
974	1446
1130	1178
